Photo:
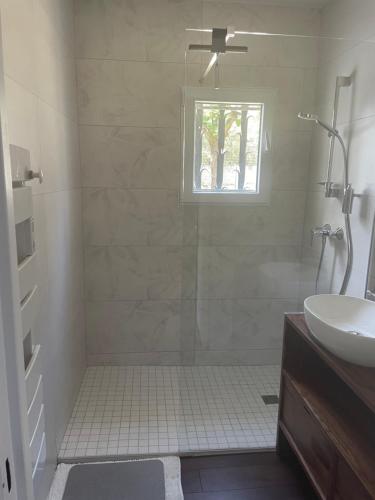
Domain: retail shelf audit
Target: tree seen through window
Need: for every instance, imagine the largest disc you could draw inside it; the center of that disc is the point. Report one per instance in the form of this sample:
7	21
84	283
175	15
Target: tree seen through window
226	146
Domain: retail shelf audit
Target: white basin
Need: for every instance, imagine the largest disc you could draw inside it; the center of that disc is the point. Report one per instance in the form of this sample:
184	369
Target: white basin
343	325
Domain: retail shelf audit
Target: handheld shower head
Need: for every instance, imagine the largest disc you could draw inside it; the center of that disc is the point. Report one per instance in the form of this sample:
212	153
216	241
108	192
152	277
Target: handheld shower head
308	116
315	118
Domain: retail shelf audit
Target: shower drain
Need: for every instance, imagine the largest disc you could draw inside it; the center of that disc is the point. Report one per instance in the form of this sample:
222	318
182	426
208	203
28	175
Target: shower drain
270	399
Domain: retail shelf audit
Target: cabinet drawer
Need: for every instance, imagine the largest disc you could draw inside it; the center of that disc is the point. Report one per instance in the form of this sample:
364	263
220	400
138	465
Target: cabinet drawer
314	448
348	486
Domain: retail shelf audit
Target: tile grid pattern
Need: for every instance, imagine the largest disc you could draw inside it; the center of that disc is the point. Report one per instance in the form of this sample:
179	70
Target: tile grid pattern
140	410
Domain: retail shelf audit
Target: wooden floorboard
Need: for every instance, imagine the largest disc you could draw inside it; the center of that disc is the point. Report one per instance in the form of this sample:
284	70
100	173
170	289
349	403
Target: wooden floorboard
246	476
191	481
238	459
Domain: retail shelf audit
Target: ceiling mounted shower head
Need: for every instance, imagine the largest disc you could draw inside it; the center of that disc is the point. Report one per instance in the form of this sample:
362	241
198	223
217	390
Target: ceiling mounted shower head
218	47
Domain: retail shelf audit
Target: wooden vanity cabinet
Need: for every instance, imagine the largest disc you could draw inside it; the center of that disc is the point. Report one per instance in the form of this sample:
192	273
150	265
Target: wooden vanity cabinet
327	416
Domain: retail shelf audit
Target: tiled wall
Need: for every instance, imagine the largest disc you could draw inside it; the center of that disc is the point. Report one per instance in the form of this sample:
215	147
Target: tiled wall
353	21
156	270
38	37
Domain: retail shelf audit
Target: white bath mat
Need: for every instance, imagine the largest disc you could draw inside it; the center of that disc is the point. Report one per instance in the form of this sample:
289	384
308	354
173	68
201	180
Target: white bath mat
172	477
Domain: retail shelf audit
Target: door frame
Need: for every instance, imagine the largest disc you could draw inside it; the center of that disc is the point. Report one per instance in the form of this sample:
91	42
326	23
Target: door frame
11	315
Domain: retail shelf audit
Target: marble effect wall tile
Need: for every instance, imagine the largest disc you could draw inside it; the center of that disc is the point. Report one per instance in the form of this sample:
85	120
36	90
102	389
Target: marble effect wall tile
140	326
59	151
60	16
141	245
54	66
241	357
128	93
22	108
279	223
291	160
295	90
141	30
152	358
247	272
140	273
130	157
356	123
137	217
19	41
41	105
241	324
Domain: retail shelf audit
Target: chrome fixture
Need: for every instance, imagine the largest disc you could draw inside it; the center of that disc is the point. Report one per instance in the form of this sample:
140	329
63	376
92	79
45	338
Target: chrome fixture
30	175
347	202
314	118
332	189
327	232
324	232
35	175
220	37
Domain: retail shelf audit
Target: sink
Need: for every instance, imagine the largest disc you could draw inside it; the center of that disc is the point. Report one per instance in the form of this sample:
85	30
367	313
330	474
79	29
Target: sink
343	325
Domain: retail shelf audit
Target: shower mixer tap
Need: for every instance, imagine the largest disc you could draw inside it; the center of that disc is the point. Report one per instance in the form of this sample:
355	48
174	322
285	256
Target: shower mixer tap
326	231
331	189
347	201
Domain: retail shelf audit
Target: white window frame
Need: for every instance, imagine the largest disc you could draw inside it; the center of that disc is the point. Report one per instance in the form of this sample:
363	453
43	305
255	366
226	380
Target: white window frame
253	95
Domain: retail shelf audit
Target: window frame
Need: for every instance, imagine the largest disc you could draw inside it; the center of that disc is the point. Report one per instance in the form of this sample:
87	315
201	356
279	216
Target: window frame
265	96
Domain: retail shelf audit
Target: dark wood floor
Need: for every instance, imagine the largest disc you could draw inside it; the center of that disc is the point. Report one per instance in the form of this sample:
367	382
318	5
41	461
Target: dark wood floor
251	476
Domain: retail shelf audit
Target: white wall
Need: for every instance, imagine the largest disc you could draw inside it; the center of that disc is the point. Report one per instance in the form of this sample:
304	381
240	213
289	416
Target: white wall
38	37
153	267
353	21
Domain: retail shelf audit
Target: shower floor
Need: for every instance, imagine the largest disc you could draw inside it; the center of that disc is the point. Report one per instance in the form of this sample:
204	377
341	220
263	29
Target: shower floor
151	410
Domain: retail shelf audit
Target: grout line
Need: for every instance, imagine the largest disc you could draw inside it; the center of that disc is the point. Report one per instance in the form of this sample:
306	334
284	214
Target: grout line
197	64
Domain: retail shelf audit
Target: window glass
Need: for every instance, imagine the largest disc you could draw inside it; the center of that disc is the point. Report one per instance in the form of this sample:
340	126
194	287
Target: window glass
227	146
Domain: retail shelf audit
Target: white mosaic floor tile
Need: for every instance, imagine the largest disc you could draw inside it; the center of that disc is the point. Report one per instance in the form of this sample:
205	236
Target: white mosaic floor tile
143	410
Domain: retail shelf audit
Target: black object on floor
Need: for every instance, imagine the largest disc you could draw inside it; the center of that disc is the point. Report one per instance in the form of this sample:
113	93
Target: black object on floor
143	480
271	399
246	476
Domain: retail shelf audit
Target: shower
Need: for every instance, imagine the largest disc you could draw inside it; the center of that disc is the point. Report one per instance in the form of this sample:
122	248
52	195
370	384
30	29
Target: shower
347	198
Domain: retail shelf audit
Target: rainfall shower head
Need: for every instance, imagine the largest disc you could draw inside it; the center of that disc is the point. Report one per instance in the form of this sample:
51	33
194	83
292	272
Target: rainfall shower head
218	47
315	118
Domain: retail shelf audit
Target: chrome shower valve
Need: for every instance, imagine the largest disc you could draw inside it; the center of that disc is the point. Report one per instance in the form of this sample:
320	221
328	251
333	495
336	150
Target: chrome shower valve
326	231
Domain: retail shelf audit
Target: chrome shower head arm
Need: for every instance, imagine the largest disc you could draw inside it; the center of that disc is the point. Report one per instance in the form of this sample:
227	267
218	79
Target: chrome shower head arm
315	118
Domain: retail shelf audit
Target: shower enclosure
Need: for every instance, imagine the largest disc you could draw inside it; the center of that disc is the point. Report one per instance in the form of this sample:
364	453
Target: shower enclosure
185	301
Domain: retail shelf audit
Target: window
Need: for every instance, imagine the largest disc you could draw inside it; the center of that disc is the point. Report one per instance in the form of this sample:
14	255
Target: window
227	140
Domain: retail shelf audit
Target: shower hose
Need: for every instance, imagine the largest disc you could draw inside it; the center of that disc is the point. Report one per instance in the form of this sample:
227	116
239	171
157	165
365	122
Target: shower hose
324	241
